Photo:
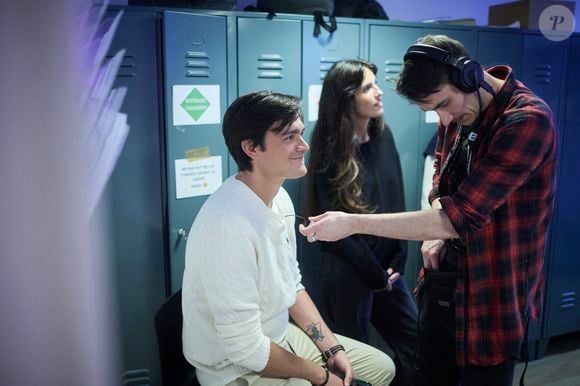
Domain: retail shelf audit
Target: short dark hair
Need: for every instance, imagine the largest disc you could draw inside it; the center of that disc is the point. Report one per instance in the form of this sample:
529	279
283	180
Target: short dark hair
249	118
422	76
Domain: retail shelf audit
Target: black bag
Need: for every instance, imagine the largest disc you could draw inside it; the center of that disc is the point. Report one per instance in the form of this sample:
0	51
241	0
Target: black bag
366	9
326	7
318	8
436	326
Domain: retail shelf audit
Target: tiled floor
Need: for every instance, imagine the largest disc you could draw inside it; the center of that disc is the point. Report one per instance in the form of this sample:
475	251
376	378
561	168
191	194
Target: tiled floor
559	367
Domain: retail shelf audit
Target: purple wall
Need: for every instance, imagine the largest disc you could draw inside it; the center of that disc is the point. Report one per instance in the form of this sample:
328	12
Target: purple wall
420	10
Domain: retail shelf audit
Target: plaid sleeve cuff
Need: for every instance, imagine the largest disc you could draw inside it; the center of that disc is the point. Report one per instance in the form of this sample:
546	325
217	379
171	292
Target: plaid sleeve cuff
454	214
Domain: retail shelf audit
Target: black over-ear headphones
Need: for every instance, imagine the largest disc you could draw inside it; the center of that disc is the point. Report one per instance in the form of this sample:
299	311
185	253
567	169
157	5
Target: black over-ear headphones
466	73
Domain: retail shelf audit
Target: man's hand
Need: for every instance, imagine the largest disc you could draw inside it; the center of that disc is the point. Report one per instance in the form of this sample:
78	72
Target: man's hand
340	364
392	277
329	226
433	252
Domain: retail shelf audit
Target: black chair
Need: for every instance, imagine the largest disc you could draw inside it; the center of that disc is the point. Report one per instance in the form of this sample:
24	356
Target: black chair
175	370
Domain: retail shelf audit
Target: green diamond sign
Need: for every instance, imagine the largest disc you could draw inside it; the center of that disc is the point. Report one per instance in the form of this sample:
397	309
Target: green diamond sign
195	104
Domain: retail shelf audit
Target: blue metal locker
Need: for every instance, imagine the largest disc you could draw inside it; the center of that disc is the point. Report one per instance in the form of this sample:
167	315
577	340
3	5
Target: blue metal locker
318	55
269	58
387	45
562	311
501	47
195	63
542	68
135	199
269	55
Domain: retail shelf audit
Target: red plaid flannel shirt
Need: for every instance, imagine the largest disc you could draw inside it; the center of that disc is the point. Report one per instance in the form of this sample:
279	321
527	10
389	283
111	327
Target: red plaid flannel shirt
501	211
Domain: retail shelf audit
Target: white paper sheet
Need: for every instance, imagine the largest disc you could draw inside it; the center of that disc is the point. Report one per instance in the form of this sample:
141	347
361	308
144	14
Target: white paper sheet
198	177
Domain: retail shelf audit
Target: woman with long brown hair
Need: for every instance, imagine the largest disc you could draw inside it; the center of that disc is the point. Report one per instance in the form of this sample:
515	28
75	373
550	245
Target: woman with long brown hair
354	167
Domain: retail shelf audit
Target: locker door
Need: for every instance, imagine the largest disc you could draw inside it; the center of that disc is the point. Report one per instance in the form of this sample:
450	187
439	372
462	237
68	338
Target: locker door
318	55
542	65
562	312
135	199
501	47
196	98
269	55
269	59
387	46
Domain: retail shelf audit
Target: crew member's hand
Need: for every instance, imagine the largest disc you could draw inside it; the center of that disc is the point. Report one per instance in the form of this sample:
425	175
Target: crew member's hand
329	226
340	364
433	252
392	277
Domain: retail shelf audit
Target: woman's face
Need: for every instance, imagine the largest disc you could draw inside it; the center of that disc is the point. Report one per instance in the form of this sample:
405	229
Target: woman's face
367	98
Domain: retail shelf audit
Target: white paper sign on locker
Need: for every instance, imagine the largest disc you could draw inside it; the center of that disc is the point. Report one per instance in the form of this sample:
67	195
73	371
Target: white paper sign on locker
314	91
431	117
196	104
197	178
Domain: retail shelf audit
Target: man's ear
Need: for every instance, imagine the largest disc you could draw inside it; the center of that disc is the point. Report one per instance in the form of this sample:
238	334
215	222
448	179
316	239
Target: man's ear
249	148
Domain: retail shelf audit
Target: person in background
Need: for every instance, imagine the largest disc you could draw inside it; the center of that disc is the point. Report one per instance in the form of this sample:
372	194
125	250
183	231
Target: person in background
354	166
242	284
492	200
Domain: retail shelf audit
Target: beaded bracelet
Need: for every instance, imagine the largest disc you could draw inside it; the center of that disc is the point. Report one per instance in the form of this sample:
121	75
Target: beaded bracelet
326	355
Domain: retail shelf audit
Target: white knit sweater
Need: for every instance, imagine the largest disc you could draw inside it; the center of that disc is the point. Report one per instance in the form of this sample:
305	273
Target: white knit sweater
241	277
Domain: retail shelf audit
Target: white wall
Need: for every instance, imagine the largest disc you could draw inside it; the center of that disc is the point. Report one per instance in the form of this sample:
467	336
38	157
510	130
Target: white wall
54	327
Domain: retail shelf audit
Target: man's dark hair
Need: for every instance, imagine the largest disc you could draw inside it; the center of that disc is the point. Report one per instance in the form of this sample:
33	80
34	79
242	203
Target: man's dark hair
249	118
422	76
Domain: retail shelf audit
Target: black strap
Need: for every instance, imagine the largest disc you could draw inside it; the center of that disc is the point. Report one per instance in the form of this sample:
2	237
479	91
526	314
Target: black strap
525	352
319	22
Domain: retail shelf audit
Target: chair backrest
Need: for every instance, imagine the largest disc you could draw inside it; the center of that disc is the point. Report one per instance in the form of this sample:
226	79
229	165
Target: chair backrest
175	369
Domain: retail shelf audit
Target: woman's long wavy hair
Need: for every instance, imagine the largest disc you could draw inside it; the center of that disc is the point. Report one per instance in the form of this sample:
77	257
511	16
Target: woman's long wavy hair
333	149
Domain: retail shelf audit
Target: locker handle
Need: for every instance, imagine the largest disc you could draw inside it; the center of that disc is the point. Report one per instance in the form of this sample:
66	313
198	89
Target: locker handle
393	63
181	234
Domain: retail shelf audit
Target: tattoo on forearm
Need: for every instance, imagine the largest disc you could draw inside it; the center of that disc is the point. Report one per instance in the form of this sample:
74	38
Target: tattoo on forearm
314	331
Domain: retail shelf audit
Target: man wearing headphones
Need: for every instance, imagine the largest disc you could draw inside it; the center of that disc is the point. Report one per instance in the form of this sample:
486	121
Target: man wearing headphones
492	199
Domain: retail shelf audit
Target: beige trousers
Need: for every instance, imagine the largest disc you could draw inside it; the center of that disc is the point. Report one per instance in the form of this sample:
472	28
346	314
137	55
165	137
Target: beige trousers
368	363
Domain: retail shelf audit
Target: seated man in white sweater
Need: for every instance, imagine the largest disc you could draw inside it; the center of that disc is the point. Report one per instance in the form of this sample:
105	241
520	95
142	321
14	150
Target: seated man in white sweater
242	282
